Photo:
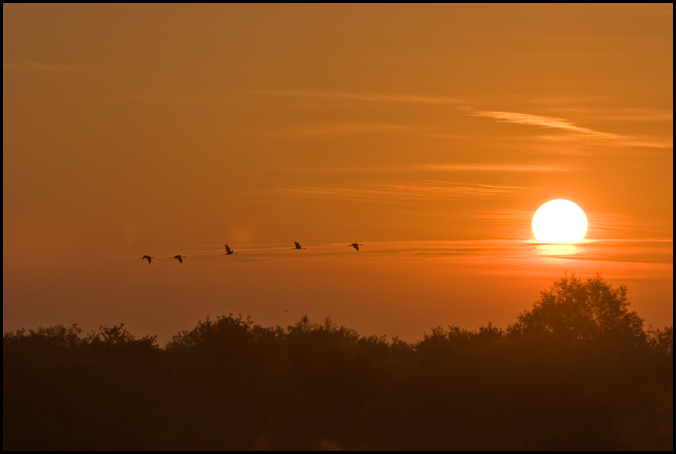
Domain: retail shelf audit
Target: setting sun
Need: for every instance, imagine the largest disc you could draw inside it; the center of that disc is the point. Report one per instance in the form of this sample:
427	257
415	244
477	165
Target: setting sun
559	221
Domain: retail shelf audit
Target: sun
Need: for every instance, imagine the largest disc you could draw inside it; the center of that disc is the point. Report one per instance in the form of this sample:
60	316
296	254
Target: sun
559	221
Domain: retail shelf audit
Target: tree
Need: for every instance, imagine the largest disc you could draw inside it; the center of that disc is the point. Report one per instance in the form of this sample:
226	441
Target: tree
590	310
662	340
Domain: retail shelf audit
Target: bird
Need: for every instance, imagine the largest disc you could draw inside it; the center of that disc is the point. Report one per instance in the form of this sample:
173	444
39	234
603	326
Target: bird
355	245
147	257
178	257
298	245
229	251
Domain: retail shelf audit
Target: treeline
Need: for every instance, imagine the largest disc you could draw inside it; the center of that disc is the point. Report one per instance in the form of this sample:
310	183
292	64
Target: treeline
577	371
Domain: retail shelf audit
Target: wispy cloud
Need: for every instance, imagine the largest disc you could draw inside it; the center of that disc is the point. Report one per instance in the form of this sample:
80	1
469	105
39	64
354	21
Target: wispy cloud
406	192
493	254
632	115
547	122
612	225
489	167
459	167
627	142
380	97
612	250
505	217
600	226
616	250
353	128
328	129
27	64
576	133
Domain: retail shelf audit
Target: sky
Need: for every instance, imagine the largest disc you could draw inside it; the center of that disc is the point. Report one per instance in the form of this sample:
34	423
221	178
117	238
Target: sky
430	134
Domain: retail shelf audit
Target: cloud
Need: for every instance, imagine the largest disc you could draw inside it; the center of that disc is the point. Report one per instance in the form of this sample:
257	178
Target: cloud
39	66
547	122
627	141
352	128
459	167
611	225
659	144
578	133
327	129
405	192
491	254
630	115
489	167
380	97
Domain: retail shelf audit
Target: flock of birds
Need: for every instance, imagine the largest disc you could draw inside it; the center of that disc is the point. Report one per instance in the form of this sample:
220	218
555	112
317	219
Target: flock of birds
229	251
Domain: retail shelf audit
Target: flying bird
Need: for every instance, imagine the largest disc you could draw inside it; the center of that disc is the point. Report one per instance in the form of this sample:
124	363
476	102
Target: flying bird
148	258
355	245
298	245
229	251
178	257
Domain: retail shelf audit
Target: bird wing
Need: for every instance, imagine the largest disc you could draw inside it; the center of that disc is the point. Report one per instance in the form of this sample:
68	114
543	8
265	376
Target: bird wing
227	249
180	259
297	244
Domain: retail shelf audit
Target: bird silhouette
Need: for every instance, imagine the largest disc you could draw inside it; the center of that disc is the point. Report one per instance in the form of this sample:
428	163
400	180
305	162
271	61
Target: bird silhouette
178	257
298	245
355	245
147	257
229	251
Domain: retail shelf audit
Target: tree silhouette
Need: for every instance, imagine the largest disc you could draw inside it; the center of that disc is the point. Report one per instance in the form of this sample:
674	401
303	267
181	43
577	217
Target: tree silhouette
575	372
662	341
588	310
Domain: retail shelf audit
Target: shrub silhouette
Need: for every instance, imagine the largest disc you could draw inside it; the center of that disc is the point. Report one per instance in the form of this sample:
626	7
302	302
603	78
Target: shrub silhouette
576	371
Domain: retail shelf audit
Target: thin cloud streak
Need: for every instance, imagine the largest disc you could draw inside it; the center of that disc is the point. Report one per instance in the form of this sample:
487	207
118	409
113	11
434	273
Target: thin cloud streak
487	253
486	167
461	167
546	122
561	124
600	226
348	128
578	132
406	192
329	129
625	114
39	66
609	225
627	142
379	97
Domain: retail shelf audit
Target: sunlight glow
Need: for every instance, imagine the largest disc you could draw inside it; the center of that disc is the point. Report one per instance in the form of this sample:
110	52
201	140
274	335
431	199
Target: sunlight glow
559	249
559	221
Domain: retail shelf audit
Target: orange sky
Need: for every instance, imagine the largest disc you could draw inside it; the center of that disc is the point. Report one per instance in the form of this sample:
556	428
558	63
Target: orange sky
430	134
